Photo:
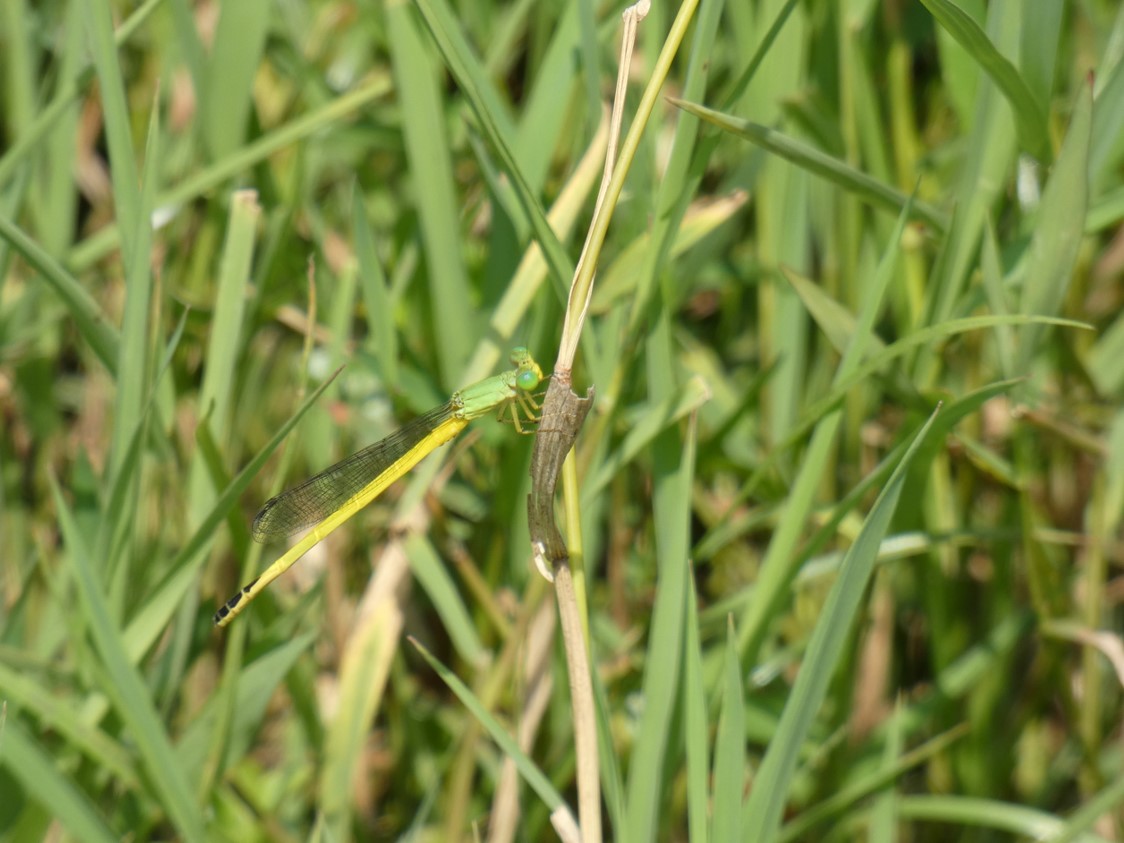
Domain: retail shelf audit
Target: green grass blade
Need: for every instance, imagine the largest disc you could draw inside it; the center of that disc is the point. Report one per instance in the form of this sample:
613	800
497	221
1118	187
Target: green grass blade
54	200
894	767
123	169
991	146
1059	231
541	121
1029	113
679	182
218	391
255	688
877	193
766	802
674	458
987	814
38	771
58	715
777	567
696	728
469	75
126	688
133	367
997	298
19	66
1105	146
432	174
91	321
439	586
729	748
97	246
376	295
1105	802
239	40
612	782
538	781
831	316
30	139
651	421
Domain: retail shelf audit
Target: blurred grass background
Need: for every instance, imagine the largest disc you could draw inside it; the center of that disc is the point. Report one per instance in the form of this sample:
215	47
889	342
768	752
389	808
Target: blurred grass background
773	324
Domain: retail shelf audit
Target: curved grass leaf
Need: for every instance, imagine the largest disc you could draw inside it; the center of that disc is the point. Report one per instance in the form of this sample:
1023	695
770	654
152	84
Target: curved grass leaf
1029	115
767	799
811	159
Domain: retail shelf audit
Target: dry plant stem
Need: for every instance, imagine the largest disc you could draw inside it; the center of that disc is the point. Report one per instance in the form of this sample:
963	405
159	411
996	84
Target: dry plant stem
562	407
565	826
563	413
581	698
553	441
576	308
546	541
582	288
571	495
369	650
539	636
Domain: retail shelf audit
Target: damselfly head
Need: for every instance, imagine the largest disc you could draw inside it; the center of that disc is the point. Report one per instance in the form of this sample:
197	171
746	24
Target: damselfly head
528	375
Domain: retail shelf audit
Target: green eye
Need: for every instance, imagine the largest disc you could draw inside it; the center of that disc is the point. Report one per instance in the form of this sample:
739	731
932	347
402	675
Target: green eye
527	380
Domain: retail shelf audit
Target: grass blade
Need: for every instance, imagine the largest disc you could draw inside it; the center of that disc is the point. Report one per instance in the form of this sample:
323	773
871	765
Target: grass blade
729	748
127	690
808	158
766	803
1029	114
38	771
539	783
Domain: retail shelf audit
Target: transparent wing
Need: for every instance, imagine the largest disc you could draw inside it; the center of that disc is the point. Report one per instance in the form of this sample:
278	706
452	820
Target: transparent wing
318	497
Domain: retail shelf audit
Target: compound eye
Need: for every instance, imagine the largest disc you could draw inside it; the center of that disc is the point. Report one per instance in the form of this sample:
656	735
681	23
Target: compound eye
527	380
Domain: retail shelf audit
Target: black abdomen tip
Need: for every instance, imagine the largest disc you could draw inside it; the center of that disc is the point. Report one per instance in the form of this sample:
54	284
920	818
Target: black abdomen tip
228	607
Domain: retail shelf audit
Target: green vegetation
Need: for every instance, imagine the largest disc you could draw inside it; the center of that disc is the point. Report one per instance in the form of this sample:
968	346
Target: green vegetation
848	504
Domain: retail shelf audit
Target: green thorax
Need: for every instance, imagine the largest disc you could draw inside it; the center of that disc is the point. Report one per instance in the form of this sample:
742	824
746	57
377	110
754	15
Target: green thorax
489	394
